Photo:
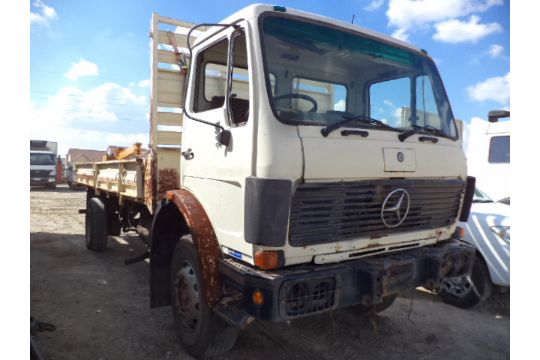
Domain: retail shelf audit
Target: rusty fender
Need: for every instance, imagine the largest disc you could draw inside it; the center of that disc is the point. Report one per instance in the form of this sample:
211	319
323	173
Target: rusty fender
184	210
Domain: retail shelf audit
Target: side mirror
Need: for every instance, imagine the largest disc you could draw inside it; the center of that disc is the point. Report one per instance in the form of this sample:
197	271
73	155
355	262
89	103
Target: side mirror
495	115
224	137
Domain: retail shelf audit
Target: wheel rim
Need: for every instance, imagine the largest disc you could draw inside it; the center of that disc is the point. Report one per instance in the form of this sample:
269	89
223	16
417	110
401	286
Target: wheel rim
459	286
187	297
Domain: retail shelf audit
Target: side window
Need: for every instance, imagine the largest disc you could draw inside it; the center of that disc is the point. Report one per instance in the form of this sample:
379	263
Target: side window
426	107
390	101
211	77
499	150
239	86
327	96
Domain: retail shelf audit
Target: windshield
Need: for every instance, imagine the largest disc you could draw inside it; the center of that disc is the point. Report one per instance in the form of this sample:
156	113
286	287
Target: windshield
322	74
42	159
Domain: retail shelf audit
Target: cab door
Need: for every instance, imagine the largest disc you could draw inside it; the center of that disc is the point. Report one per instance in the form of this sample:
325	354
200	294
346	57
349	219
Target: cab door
220	93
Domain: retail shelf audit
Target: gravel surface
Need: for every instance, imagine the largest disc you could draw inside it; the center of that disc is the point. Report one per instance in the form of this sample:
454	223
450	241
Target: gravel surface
100	308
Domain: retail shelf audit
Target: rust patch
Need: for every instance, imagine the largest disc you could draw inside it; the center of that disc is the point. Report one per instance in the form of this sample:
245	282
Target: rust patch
204	239
150	182
168	179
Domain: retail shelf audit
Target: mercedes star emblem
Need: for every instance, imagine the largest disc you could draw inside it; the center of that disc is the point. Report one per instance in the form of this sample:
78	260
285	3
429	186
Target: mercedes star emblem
395	208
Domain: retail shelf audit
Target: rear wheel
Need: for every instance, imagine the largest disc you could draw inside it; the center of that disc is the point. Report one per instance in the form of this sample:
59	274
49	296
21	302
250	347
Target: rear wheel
96	225
202	332
468	291
387	301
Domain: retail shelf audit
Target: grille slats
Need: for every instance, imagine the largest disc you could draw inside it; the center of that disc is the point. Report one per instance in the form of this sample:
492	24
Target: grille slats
38	173
330	212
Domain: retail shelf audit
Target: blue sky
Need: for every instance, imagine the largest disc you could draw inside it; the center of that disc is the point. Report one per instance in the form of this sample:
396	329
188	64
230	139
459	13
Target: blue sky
89	60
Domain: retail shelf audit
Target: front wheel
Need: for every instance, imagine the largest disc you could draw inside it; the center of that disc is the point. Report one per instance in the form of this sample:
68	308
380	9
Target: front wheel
468	291
202	332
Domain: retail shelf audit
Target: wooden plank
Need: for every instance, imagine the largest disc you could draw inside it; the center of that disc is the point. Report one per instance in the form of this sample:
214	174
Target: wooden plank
181	40
168	57
181	23
170	88
169	119
168	138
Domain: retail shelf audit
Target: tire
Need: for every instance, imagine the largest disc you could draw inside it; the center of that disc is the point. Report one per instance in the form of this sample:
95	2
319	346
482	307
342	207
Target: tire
51	186
96	225
468	292
202	333
387	301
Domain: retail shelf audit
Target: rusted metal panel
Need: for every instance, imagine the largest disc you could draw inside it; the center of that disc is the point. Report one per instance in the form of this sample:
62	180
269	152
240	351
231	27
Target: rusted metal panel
204	239
150	182
168	179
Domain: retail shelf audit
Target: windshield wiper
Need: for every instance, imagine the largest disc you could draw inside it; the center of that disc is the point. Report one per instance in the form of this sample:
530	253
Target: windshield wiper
418	129
360	118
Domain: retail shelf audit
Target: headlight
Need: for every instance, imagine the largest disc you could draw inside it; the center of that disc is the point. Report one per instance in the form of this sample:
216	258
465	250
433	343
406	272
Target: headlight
502	231
52	179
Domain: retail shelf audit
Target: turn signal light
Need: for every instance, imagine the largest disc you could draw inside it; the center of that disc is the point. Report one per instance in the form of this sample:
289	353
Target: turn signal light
459	233
267	260
258	297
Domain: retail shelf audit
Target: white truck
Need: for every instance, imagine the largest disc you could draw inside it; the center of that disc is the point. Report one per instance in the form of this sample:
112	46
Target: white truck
488	154
298	165
43	163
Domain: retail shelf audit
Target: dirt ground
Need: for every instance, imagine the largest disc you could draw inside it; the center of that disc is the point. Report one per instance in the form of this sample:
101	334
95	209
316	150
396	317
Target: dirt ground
100	308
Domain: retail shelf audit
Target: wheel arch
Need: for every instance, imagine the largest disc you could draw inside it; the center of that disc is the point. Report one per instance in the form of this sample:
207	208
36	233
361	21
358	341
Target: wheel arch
180	214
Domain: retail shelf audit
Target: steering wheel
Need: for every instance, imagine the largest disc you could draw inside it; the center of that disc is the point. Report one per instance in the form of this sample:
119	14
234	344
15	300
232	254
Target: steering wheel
299	96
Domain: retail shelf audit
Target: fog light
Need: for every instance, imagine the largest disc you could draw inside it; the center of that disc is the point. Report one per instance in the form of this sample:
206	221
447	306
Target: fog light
258	297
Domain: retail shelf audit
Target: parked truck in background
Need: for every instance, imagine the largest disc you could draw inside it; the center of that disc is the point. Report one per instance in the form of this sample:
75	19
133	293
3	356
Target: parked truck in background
488	154
43	156
298	165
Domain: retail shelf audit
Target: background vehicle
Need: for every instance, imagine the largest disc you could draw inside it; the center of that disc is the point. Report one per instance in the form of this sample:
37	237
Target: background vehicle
488	154
488	229
43	163
274	179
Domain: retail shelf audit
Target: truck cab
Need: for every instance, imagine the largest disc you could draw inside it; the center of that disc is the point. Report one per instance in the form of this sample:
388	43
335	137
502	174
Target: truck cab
278	81
43	163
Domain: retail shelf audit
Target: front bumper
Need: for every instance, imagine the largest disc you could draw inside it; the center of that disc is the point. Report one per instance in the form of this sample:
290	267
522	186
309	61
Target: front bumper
311	289
42	181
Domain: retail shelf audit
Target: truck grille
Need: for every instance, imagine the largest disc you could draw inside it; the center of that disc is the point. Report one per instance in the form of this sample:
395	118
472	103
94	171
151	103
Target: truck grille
330	212
39	173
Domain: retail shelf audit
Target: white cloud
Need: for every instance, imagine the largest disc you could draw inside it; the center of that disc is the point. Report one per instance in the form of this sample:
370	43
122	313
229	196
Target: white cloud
43	15
401	34
106	115
388	103
495	50
144	83
108	102
456	31
407	15
374	5
495	89
340	105
82	68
